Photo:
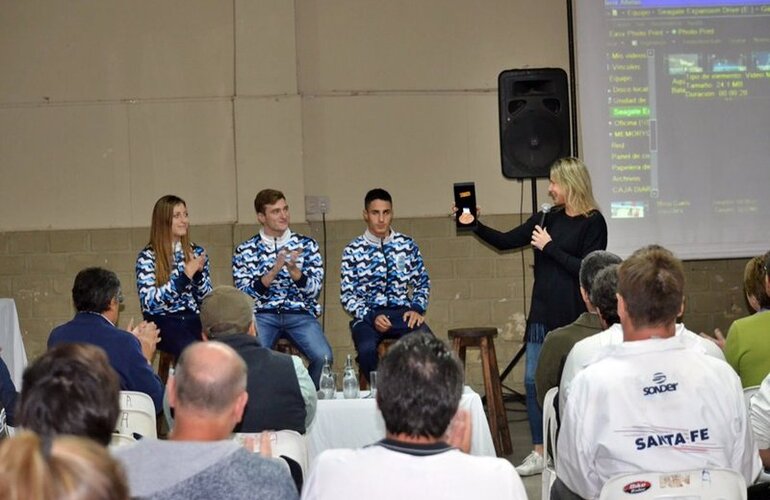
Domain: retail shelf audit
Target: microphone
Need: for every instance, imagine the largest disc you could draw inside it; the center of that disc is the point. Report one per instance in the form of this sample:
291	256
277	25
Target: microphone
545	208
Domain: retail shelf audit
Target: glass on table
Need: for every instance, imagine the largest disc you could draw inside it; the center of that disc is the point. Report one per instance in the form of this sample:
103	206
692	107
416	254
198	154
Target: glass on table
373	384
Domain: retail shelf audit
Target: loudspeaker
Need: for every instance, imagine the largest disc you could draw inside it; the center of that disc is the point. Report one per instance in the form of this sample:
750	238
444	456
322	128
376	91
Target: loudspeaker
534	120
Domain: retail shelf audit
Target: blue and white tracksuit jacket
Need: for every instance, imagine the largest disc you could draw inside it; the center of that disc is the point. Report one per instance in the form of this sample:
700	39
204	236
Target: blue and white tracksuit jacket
255	257
379	274
179	293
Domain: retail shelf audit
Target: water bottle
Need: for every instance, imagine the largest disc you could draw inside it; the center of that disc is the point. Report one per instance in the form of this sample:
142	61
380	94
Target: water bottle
349	380
326	381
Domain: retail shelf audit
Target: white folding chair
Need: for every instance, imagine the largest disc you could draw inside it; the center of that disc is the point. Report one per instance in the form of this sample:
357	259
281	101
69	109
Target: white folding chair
550	427
137	415
285	443
702	484
133	400
136	421
121	440
748	393
291	444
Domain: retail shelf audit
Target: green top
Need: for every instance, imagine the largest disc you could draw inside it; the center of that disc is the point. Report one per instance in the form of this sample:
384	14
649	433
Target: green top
747	348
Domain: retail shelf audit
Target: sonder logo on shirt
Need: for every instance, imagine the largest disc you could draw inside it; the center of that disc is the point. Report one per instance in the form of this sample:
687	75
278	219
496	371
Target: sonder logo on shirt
659	379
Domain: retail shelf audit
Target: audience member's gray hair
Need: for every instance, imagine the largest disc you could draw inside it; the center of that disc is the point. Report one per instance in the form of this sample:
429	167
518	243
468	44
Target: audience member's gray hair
604	294
592	264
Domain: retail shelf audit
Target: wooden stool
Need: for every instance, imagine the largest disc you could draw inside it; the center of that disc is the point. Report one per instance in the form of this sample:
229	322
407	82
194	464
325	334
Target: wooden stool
382	349
165	362
285	346
483	338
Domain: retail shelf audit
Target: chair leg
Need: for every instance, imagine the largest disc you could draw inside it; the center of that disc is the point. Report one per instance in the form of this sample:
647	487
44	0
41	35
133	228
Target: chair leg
459	348
497	395
492	409
164	365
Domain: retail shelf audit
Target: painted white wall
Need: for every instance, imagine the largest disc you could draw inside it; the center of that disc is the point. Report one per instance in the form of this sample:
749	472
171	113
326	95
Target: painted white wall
107	105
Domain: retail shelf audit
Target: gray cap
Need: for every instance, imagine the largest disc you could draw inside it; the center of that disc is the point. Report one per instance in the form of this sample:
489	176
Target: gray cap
226	310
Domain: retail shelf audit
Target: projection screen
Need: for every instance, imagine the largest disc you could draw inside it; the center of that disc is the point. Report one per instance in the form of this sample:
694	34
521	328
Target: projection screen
674	122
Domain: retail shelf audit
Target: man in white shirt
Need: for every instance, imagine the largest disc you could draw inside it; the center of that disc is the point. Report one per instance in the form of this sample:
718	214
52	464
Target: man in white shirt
656	401
418	392
586	351
760	420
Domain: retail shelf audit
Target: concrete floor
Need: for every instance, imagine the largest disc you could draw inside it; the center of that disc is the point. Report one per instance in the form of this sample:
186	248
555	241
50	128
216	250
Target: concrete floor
522	445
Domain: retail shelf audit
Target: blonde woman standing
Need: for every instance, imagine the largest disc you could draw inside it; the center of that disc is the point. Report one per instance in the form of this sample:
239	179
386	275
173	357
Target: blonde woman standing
560	239
172	276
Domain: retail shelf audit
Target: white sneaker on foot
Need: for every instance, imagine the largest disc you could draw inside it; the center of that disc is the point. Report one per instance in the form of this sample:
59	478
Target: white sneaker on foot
533	464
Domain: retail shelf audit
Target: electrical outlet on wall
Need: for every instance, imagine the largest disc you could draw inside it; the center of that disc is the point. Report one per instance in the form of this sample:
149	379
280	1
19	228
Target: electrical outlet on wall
315	206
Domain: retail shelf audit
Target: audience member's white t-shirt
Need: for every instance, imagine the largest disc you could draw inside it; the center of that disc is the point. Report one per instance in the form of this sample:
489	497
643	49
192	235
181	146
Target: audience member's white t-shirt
588	349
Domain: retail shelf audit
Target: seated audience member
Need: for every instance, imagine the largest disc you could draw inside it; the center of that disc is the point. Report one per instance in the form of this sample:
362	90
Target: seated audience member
559	342
97	298
586	350
604	295
60	468
8	394
208	394
760	420
654	402
281	393
419	388
747	347
71	389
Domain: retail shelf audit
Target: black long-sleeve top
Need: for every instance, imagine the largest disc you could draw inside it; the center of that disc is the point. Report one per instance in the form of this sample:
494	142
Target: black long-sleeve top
556	297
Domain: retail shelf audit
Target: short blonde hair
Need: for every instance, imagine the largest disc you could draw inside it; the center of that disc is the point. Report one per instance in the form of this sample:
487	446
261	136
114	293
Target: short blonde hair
572	174
62	468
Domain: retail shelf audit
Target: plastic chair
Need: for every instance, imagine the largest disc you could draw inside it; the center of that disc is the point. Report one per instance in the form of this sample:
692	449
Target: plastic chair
133	400
748	393
121	440
137	421
550	428
702	484
284	443
137	412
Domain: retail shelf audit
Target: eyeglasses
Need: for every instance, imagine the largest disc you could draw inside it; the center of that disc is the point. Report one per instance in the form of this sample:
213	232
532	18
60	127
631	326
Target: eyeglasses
119	297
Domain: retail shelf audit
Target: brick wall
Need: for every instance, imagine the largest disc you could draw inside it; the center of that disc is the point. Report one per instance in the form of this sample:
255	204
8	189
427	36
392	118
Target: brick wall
471	283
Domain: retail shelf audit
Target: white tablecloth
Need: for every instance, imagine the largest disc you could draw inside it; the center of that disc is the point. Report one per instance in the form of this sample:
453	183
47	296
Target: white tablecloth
11	342
354	423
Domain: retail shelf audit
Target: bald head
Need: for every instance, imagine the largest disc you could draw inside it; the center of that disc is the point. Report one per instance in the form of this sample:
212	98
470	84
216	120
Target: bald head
209	377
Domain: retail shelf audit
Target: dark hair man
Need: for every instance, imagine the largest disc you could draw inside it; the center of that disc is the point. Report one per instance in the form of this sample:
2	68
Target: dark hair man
97	298
71	389
559	342
208	394
384	284
281	393
283	272
655	402
419	389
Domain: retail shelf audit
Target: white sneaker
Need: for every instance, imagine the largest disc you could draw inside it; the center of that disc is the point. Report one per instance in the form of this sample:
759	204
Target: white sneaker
533	464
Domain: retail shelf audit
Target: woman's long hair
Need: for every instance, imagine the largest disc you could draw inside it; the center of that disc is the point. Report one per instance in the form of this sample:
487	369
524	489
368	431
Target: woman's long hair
161	240
572	174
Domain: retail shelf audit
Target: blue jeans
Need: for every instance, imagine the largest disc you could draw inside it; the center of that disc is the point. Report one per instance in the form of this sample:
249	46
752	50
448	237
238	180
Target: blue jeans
303	330
535	337
366	339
